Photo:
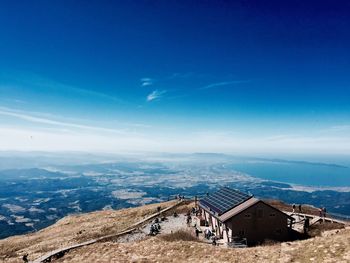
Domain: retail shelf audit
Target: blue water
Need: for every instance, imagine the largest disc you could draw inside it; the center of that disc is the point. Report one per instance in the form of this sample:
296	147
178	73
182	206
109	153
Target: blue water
296	173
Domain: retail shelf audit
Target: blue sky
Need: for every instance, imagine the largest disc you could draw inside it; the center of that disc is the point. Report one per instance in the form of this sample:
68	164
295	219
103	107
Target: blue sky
183	76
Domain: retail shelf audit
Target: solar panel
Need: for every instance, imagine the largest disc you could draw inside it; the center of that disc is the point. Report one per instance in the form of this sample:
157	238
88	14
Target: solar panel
225	199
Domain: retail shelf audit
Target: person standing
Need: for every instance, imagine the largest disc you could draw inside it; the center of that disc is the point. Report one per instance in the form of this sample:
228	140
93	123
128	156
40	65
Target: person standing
300	208
197	233
214	243
306	225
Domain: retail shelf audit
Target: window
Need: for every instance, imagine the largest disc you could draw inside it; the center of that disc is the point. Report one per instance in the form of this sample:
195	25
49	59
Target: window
272	214
278	231
247	215
260	213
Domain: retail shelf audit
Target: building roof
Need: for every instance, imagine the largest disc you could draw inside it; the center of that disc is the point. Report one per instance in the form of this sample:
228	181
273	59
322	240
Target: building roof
227	203
243	206
238	209
224	200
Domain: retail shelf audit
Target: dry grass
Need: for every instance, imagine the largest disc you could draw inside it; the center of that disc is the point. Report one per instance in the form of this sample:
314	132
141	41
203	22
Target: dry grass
331	246
318	228
183	209
179	235
157	250
270	242
73	229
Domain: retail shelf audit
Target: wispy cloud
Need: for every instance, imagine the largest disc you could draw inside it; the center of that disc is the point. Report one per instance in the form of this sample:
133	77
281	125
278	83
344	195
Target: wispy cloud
340	128
156	94
44	120
177	75
336	129
17	101
146	82
224	83
43	84
84	92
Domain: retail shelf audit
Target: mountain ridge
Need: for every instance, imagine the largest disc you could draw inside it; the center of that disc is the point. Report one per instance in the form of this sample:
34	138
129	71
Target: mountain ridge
79	228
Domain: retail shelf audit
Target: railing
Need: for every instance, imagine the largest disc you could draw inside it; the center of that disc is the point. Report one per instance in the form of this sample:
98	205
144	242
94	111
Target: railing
339	216
188	197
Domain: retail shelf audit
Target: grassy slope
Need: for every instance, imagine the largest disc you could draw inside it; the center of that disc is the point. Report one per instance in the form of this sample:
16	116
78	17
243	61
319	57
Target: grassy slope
79	228
74	229
331	247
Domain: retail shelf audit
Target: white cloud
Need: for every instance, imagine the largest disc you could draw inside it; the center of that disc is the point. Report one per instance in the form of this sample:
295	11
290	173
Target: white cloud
49	134
224	83
42	120
156	94
146	82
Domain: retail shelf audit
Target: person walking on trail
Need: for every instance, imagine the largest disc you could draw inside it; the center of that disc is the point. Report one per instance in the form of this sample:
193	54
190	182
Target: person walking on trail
300	208
25	258
293	208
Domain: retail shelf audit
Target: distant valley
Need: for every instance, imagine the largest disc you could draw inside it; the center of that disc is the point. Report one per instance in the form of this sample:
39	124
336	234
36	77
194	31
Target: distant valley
33	198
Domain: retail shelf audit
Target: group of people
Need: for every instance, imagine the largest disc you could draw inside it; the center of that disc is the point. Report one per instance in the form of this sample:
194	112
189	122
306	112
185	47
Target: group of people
194	212
210	236
322	210
180	197
155	228
299	208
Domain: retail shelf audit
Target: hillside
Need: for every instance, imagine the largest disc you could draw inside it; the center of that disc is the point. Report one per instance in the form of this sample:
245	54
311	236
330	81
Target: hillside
330	246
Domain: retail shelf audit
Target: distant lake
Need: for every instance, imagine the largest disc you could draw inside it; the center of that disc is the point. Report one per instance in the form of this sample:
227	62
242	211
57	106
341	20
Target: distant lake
296	173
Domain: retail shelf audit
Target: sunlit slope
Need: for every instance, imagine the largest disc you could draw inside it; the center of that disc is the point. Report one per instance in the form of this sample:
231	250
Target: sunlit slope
331	246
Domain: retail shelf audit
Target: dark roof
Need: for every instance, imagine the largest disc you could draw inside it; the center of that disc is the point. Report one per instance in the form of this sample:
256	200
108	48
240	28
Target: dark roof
245	205
224	200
